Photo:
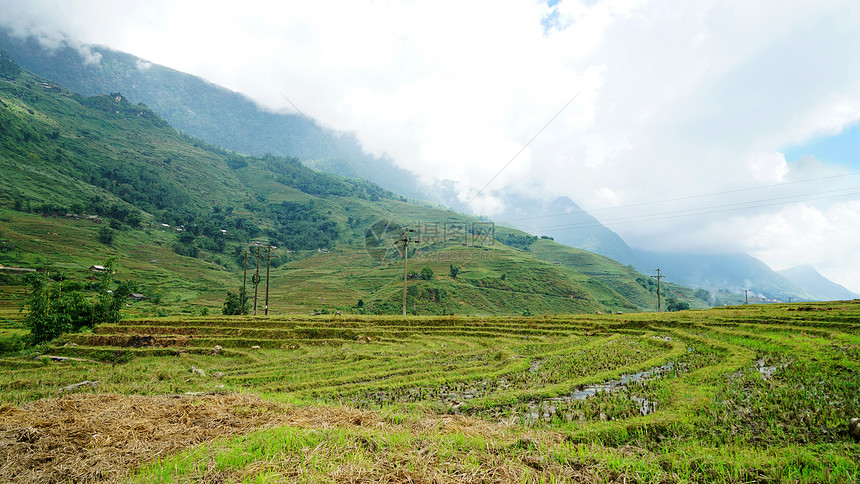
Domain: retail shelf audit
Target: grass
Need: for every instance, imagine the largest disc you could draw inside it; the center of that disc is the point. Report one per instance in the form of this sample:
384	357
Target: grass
733	395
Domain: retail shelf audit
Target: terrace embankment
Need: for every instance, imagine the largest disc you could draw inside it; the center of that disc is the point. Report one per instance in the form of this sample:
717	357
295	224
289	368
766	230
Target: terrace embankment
774	384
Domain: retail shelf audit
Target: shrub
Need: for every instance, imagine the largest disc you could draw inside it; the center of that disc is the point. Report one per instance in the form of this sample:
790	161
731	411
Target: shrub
11	345
233	304
56	307
427	273
106	235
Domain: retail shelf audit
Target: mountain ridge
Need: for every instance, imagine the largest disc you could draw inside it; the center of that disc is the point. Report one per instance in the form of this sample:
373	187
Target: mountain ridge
180	215
194	105
820	287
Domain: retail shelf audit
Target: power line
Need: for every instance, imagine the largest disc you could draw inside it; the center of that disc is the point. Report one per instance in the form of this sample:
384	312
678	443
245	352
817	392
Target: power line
523	148
687	197
702	210
405	239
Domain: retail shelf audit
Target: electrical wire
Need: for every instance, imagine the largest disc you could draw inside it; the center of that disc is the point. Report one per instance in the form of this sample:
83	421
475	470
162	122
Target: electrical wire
688	197
523	148
705	210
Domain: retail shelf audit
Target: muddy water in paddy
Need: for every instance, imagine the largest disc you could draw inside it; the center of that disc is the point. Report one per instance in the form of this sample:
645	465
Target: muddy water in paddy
566	407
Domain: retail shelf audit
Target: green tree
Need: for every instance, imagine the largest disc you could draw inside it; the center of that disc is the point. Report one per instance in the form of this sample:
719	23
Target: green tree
427	273
43	324
233	304
673	304
106	235
57	307
454	271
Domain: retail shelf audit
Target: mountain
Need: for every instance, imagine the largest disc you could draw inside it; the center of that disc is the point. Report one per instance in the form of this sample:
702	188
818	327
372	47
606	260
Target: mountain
221	117
209	112
566	223
734	273
818	286
228	119
84	178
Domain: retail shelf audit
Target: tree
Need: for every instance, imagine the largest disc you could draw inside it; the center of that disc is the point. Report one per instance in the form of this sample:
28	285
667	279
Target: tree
56	307
233	304
427	273
454	271
673	304
106	235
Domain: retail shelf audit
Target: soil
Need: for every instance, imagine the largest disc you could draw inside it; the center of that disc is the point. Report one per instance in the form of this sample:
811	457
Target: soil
90	437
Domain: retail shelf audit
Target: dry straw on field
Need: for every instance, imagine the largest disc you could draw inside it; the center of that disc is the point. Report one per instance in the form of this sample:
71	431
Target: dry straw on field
101	437
90	437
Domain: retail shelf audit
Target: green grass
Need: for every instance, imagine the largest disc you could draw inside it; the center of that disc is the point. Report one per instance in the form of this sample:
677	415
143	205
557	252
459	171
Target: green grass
494	280
756	393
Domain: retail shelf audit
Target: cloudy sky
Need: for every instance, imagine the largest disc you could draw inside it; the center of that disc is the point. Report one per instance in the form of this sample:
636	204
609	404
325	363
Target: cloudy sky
696	125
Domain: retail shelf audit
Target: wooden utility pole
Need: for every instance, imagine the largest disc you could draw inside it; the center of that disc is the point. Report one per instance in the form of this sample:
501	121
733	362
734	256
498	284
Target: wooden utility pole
405	240
244	281
256	280
658	277
268	257
746	296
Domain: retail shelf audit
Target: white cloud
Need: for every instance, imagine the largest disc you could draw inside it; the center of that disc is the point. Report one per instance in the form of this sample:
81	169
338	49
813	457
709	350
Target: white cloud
142	65
767	168
674	98
827	239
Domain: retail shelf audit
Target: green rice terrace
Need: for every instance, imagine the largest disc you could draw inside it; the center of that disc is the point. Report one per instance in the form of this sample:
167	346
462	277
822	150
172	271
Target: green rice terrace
740	394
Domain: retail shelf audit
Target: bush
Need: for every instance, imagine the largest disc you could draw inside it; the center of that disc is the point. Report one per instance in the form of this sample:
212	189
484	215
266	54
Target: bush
106	235
233	304
11	345
454	271
64	306
673	304
427	273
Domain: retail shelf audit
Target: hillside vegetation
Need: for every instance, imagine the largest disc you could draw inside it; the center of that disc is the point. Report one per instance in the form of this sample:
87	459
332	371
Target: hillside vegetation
179	215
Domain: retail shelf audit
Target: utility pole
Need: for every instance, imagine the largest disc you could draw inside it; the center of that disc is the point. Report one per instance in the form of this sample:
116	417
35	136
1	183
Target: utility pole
244	279
405	240
256	280
658	277
746	296
268	257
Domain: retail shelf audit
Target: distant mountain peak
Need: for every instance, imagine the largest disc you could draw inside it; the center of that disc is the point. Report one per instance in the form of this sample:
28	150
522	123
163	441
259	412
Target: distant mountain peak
806	276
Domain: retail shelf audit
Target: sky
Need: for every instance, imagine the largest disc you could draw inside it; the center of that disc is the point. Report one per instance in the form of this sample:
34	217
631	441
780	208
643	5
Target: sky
689	125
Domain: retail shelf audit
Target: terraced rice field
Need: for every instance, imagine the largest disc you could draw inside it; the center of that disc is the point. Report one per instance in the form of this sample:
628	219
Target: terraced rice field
761	393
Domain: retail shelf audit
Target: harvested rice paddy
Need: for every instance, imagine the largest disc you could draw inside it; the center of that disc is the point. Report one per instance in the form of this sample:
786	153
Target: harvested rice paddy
748	394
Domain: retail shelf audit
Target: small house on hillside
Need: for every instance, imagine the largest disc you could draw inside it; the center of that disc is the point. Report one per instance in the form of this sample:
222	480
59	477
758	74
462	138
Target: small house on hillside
136	296
97	268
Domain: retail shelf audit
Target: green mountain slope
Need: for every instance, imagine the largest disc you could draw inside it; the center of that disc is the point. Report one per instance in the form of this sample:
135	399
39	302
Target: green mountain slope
209	112
225	118
179	216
